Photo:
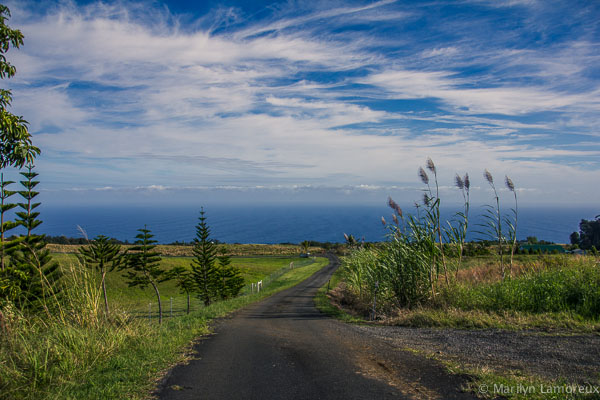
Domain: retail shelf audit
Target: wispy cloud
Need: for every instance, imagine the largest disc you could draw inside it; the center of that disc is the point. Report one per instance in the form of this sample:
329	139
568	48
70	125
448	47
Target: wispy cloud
130	95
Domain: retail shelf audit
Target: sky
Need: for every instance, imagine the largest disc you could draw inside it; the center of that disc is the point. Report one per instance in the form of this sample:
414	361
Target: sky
309	101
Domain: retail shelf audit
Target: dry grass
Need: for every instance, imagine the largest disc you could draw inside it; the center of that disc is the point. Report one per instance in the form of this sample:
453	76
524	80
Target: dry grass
231	249
489	271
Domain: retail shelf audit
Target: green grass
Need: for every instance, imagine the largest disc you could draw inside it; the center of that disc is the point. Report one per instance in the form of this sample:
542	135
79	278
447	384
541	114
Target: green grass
323	303
74	353
568	286
445	317
557	292
139	301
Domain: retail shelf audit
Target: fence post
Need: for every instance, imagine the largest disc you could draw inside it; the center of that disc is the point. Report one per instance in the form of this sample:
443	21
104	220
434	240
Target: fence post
374	315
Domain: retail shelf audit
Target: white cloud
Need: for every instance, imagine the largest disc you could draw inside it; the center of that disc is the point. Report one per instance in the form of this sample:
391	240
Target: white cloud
116	102
407	84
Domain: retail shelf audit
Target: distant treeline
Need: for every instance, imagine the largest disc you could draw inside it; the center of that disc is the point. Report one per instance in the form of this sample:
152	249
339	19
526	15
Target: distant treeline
81	240
473	248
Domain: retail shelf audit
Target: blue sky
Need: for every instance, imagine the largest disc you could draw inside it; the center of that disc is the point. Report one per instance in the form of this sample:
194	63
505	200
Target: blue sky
153	101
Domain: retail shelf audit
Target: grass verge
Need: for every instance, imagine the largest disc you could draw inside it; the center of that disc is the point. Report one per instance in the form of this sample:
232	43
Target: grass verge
62	355
446	317
324	304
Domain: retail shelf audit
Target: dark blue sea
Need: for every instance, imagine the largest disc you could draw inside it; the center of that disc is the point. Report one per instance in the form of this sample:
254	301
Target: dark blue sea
278	223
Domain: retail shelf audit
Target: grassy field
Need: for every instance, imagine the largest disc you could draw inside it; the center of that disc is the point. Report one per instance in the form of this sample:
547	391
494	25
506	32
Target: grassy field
244	250
71	351
140	301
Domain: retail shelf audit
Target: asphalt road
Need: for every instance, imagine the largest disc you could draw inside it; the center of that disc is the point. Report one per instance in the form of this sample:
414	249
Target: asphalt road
284	348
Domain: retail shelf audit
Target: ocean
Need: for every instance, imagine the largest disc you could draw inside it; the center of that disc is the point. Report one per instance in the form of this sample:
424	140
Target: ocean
279	223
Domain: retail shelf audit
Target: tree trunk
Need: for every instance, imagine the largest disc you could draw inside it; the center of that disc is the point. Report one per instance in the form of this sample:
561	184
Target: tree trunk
104	292
206	293
159	303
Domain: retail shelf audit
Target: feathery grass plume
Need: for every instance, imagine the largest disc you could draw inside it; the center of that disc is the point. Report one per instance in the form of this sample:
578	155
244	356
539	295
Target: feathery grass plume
430	165
395	219
512	227
459	182
391	202
494	221
488	177
423	175
457	234
394	206
383	221
346	237
432	201
509	184
83	233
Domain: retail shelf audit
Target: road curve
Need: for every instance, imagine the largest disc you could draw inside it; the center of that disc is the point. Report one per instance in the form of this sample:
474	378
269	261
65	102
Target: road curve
284	348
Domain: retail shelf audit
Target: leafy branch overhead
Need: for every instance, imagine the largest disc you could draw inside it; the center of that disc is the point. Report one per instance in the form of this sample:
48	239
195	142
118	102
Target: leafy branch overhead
16	147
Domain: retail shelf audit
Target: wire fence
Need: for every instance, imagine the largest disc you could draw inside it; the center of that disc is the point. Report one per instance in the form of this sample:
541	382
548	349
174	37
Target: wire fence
178	305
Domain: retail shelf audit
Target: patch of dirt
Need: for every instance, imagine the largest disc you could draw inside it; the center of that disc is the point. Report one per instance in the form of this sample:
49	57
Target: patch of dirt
571	356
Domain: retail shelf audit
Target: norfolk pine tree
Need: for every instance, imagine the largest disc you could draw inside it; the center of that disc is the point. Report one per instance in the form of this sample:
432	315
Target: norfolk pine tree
143	265
105	257
231	280
5	226
204	272
30	258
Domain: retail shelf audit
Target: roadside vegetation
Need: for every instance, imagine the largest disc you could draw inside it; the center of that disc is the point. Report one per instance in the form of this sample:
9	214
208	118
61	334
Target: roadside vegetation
75	352
427	275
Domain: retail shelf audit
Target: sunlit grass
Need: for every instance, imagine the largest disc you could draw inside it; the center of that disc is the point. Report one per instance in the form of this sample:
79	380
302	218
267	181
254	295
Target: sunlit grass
77	353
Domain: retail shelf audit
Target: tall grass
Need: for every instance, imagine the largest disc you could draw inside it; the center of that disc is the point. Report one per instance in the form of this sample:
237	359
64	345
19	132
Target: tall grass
457	232
432	204
401	271
39	352
77	353
512	223
493	221
554	285
404	271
